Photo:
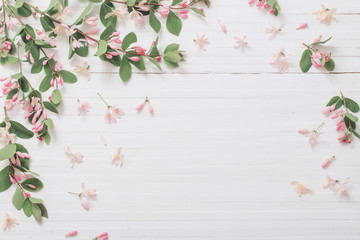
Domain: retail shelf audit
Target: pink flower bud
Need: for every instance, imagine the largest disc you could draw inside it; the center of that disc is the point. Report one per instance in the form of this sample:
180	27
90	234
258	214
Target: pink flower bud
44	115
31	186
135	59
84	203
15	97
12	180
327	162
150	108
28	37
12	159
317	39
31	59
272	11
44	62
301	26
158	58
52	55
140	106
24	175
71	234
266	5
26	194
304	131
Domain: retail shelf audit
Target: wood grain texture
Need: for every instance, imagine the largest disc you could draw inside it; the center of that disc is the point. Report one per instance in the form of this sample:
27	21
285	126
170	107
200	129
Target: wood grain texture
216	159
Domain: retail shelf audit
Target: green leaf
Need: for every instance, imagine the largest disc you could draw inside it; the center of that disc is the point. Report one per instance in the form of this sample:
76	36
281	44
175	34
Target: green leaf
356	134
33	181
171	47
49	106
321	42
38	65
45	83
128	40
349	124
5	182
131	3
47	25
352	105
333	100
102	48
172	57
125	69
27	208
18	199
12	60
49	123
175	2
44	212
80	19
173	23
157	64
67	76
24	85
352	117
330	65
24	11
35	200
198	11
154	22
19	130
17	75
56	96
305	61
36	212
7	152
107	7
19	3
47	138
107	32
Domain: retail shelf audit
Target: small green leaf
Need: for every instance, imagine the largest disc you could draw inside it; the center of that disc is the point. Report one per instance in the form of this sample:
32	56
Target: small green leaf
12	60
171	47
352	117
333	100
45	83
67	76
154	22
36	212
305	61
18	199
19	3
106	8
173	23
198	11
131	3
27	208
51	107
102	48
129	39
38	65
47	138
49	123
175	2
352	105
157	64
172	57
32	181
35	200
19	130
80	19
56	96
125	69
5	182
330	65
44	212
7	152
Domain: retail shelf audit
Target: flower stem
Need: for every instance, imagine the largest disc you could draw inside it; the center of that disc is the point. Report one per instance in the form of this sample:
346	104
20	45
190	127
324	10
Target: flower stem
108	105
6	115
319	126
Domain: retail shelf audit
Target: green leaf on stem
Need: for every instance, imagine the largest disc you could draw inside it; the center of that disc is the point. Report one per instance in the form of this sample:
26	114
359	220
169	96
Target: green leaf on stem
44	212
51	107
173	23
85	12
27	208
198	11
131	3
56	96
67	76
172	57
172	47
305	61
36	212
125	69
154	22
352	117
38	65
19	130
32	181
129	39
352	105
18	199
5	182
49	123
330	65
7	152
106	17
101	48
47	138
45	83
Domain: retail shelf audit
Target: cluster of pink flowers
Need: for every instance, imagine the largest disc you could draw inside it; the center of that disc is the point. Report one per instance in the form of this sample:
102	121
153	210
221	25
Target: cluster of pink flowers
262	3
8	84
7	45
45	36
141	106
313	135
319	57
339	114
183	13
35	108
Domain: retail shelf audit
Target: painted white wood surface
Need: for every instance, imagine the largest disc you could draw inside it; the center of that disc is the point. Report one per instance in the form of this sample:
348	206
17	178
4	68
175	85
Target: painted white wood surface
216	159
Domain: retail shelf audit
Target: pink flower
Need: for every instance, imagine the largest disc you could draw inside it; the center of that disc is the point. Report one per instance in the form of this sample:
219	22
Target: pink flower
342	187
201	41
273	30
117	160
136	16
9	222
26	194
84	202
88	192
109	116
143	6
63	13
279	60
11	23
183	13
329	109
317	39
240	42
71	234
102	236
301	26
118	112
327	161
301	189
9	104
330	182
74	157
91	21
312	134
325	15
140	50
164	11
83	107
77	43
141	106
222	26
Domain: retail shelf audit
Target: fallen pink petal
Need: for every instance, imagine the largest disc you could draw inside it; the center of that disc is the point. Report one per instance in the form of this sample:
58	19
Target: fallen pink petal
72	233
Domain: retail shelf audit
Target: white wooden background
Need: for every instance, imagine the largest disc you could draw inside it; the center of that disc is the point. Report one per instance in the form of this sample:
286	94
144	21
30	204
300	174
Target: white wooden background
216	159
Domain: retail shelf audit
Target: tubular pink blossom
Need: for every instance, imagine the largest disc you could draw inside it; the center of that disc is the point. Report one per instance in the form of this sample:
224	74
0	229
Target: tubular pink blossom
12	159
31	59
71	234
52	55
31	186
327	161
15	97
140	106
222	26
135	59
24	175
304	131
44	62
93	31
84	203
12	180
150	108
26	194
301	26
317	39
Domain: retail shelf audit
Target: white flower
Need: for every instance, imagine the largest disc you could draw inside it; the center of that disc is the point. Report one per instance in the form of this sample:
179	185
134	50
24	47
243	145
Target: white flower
9	222
74	157
240	42
5	136
117	160
271	28
83	70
